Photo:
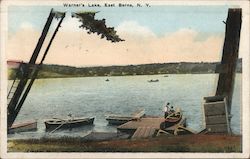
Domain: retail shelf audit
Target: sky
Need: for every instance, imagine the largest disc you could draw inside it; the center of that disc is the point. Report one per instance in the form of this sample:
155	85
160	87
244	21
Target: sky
156	34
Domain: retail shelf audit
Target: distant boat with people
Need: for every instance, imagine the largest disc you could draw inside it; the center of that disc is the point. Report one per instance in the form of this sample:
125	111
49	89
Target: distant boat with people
156	80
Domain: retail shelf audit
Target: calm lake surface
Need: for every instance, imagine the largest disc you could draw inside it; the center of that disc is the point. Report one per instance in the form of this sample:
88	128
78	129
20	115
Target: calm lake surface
93	96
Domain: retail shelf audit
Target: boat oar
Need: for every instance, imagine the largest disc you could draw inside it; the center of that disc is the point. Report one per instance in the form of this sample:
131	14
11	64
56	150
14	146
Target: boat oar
59	119
57	127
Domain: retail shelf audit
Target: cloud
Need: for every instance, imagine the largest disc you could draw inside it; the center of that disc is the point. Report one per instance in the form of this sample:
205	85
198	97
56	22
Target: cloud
21	44
184	46
73	46
132	28
68	24
26	25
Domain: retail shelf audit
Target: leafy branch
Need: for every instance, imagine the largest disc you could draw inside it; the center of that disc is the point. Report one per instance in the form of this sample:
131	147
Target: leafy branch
96	26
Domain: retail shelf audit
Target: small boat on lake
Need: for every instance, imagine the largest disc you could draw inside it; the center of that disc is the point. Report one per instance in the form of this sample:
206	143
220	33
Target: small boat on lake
173	118
156	80
165	76
119	120
107	80
57	123
23	127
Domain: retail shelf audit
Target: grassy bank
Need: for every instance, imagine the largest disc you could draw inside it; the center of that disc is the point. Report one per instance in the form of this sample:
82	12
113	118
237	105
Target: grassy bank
185	143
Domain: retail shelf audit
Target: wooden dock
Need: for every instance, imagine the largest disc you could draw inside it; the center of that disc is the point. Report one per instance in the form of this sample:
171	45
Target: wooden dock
148	127
143	132
141	128
142	122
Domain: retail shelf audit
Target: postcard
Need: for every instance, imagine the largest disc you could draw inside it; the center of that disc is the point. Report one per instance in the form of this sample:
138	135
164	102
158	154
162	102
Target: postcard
124	79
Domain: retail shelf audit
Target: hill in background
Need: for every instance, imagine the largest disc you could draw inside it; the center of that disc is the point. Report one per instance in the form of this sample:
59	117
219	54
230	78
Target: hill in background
56	71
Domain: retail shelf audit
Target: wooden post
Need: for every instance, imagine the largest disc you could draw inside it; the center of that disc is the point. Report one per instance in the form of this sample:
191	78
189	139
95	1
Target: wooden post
229	56
22	90
217	109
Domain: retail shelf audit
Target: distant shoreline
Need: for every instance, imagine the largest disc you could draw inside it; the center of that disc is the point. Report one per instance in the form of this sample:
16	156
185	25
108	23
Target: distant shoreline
52	77
60	71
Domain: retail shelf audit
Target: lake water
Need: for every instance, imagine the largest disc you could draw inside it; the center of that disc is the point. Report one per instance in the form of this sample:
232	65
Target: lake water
93	96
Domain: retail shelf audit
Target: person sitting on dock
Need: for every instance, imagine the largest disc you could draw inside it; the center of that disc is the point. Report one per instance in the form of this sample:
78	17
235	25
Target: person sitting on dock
166	110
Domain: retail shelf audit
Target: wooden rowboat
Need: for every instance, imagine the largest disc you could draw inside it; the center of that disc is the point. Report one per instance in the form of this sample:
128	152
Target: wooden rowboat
57	123
172	119
119	120
23	127
156	80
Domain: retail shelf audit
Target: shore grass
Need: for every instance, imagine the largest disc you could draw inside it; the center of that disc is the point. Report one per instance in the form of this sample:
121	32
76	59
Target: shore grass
185	143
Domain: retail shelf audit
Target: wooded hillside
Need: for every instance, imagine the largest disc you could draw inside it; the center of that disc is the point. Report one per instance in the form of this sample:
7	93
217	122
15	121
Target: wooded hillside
54	71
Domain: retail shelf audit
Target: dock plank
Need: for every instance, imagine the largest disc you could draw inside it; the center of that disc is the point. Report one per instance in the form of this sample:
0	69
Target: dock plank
152	132
137	133
143	132
146	132
143	122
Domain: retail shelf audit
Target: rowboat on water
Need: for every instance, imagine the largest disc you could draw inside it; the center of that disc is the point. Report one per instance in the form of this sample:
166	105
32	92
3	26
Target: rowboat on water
119	120
23	127
156	80
57	123
173	118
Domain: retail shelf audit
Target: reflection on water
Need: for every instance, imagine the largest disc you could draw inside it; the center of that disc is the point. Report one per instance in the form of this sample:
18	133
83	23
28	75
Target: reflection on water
94	96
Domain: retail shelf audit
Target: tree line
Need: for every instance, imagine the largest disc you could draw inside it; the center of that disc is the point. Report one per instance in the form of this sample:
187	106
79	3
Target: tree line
54	71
